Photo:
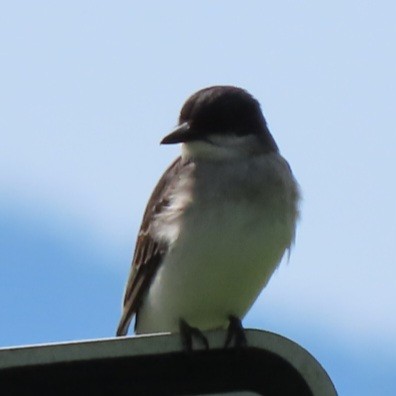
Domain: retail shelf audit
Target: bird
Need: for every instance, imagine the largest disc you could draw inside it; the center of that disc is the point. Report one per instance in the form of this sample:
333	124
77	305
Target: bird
217	224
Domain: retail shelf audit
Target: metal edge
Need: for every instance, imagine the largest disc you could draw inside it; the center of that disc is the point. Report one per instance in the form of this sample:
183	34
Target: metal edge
162	343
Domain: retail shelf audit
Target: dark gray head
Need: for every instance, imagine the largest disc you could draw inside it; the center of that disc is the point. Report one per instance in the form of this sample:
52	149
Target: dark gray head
224	117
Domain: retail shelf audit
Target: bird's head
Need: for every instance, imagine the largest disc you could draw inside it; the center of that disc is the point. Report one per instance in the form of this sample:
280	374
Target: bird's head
221	122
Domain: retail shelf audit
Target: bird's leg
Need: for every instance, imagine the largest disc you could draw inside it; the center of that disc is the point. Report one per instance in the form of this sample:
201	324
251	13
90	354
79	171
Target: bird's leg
235	332
187	334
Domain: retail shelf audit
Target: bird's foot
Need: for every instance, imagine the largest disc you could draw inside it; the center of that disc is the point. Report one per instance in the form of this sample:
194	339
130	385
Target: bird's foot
236	333
188	333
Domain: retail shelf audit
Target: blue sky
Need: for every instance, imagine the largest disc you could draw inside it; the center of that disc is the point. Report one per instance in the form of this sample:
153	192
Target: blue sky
88	88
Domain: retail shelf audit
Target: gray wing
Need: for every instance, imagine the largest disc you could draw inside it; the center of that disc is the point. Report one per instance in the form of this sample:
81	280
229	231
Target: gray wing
149	252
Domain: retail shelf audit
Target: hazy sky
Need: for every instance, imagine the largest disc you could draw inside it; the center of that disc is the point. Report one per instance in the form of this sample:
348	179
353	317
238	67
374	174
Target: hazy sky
88	89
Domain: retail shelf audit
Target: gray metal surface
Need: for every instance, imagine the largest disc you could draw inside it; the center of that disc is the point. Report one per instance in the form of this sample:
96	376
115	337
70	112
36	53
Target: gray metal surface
150	346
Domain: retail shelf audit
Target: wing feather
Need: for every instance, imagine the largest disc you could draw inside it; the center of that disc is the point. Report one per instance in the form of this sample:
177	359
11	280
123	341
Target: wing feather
149	251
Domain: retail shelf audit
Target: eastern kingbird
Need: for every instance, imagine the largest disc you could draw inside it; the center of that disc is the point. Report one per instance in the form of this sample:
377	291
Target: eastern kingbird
218	222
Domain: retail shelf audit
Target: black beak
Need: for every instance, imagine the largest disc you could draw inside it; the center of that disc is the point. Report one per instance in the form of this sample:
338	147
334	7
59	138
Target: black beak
181	134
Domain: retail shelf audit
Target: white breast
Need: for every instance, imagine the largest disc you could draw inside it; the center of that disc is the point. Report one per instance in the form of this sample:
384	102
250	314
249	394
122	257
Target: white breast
224	247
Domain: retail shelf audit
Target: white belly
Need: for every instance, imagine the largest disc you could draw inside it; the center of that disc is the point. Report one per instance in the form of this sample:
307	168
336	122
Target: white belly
224	247
216	269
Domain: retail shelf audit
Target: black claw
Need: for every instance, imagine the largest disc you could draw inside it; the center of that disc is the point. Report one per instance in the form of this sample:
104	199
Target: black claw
235	332
187	334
